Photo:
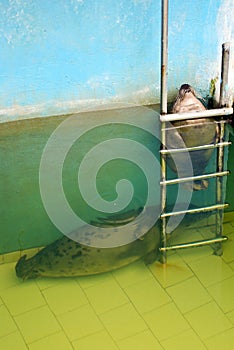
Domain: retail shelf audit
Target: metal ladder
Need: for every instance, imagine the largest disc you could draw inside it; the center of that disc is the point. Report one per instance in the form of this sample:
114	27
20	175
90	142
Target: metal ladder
218	207
222	113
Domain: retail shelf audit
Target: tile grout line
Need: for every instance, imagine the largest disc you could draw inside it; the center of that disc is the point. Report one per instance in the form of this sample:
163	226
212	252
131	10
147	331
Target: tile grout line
190	329
148	329
212	301
37	308
18	329
44	337
183	314
96	332
220	333
98	316
77	308
117	307
13	332
129	302
141	315
174	284
61	327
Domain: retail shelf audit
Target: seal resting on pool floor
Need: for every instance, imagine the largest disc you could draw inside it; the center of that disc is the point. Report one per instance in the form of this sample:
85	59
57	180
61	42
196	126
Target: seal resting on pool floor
68	258
191	132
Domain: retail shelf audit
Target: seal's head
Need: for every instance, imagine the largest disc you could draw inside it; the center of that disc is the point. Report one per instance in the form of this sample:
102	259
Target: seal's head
25	269
186	101
185	89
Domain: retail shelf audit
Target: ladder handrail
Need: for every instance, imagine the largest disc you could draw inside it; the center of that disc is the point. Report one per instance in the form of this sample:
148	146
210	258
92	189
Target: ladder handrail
195	148
195	243
208	113
195	210
197	177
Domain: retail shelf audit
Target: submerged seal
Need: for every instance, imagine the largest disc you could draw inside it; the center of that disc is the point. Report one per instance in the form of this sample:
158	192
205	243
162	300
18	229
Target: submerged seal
193	132
66	257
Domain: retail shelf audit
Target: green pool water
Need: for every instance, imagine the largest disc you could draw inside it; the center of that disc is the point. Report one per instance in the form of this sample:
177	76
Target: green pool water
25	222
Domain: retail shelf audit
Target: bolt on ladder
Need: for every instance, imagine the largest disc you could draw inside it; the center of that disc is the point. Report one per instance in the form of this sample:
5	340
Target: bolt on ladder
220	144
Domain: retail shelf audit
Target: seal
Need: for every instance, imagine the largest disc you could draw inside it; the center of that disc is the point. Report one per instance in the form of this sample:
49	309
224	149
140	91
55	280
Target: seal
192	132
66	257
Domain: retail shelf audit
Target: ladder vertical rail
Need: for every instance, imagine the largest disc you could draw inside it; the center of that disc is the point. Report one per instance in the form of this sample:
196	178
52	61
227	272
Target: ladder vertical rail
219	188
164	56
163	107
220	150
163	189
223	101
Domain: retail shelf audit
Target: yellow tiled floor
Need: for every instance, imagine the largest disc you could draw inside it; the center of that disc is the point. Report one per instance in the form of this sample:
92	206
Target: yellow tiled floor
186	304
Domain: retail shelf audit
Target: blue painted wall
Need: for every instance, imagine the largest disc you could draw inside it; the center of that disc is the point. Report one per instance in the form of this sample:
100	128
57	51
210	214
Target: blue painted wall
58	56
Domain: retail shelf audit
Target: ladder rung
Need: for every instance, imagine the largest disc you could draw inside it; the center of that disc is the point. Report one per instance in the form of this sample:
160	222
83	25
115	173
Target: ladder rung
195	148
193	115
195	244
196	210
191	178
186	125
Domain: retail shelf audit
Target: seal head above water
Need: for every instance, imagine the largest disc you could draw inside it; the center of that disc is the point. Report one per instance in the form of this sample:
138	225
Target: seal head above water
186	101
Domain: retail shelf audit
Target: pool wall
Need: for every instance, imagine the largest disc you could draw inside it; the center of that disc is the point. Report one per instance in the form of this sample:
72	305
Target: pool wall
58	57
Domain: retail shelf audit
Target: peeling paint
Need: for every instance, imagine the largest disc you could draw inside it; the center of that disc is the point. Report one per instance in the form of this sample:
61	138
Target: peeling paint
18	24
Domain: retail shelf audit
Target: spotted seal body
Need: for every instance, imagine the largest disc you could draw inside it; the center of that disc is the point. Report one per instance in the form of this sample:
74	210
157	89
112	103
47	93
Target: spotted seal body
193	132
66	257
